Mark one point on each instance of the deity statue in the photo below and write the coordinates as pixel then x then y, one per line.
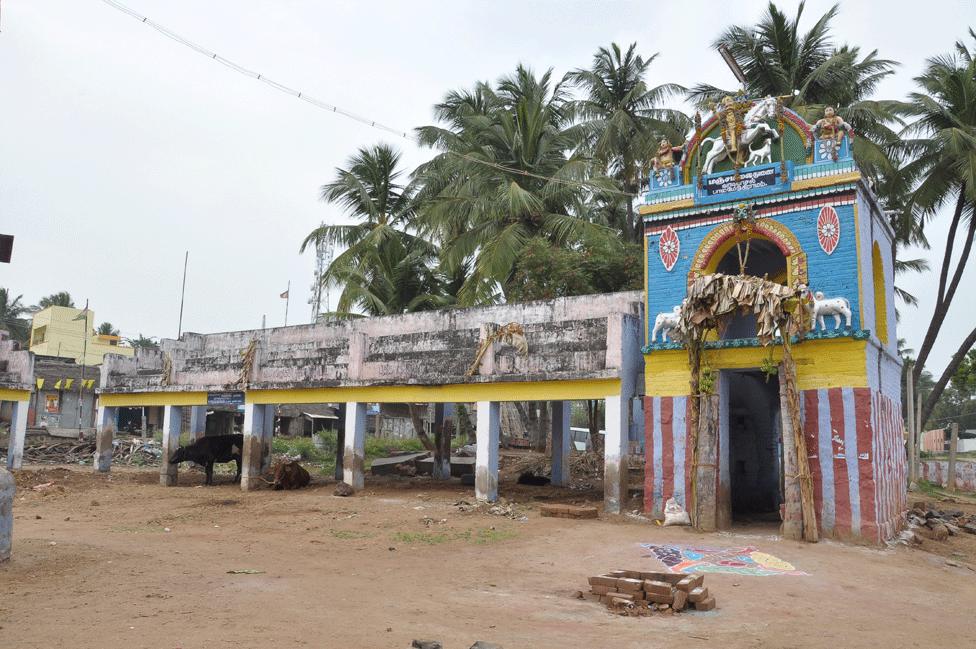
pixel 731 114
pixel 664 158
pixel 830 131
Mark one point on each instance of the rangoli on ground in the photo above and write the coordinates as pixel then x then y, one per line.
pixel 739 561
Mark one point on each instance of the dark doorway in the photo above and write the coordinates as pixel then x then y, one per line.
pixel 755 446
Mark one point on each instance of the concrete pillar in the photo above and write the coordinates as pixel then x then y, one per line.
pixel 198 422
pixel 615 447
pixel 340 441
pixel 7 488
pixel 486 457
pixel 562 443
pixel 172 427
pixel 442 469
pixel 267 437
pixel 354 456
pixel 105 421
pixel 18 431
pixel 251 459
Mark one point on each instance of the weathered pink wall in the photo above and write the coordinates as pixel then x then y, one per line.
pixel 937 471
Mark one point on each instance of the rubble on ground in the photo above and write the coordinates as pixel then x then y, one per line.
pixel 344 489
pixel 436 644
pixel 500 508
pixel 629 592
pixel 136 451
pixel 939 524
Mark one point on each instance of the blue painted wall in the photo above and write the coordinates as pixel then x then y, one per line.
pixel 835 274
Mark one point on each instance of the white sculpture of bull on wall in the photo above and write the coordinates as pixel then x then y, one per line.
pixel 835 306
pixel 665 323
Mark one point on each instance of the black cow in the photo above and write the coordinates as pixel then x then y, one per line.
pixel 208 450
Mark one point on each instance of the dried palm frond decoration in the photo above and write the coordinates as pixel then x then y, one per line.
pixel 512 334
pixel 782 314
pixel 247 364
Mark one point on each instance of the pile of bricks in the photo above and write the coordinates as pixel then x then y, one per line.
pixel 631 592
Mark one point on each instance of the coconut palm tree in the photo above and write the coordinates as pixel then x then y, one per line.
pixel 62 298
pixel 503 177
pixel 12 311
pixel 623 120
pixel 940 146
pixel 778 58
pixel 106 329
pixel 391 279
pixel 371 194
pixel 142 342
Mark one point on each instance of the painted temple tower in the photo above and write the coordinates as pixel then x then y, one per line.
pixel 816 223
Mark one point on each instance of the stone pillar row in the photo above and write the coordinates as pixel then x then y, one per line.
pixel 350 463
pixel 18 431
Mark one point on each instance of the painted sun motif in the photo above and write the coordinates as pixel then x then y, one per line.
pixel 828 229
pixel 669 246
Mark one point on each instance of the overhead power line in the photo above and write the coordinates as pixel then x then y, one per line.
pixel 318 103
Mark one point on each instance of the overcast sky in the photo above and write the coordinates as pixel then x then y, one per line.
pixel 120 149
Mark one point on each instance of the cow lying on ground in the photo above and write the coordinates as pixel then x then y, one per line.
pixel 208 450
pixel 289 474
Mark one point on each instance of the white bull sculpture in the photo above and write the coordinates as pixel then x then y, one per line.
pixel 835 306
pixel 665 323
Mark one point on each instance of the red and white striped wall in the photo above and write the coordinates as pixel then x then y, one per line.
pixel 855 449
pixel 667 458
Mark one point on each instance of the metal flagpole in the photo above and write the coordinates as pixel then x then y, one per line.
pixel 287 300
pixel 84 361
pixel 179 331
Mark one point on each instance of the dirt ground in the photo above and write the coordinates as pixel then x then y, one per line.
pixel 116 561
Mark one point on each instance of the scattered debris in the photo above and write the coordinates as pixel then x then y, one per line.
pixel 937 524
pixel 500 508
pixel 435 644
pixel 629 592
pixel 426 644
pixel 137 451
pixel 568 511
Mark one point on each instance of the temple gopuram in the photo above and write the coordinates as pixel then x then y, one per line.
pixel 757 207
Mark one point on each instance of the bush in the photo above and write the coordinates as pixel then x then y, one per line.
pixel 382 447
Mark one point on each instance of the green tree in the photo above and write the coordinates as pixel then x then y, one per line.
pixel 106 329
pixel 369 191
pixel 62 298
pixel 388 280
pixel 606 265
pixel 940 149
pixel 778 58
pixel 12 311
pixel 509 170
pixel 142 342
pixel 622 120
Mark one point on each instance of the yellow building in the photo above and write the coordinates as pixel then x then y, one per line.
pixel 61 331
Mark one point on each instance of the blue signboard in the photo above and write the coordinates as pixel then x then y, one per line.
pixel 752 181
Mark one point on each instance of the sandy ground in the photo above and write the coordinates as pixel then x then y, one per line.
pixel 94 566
